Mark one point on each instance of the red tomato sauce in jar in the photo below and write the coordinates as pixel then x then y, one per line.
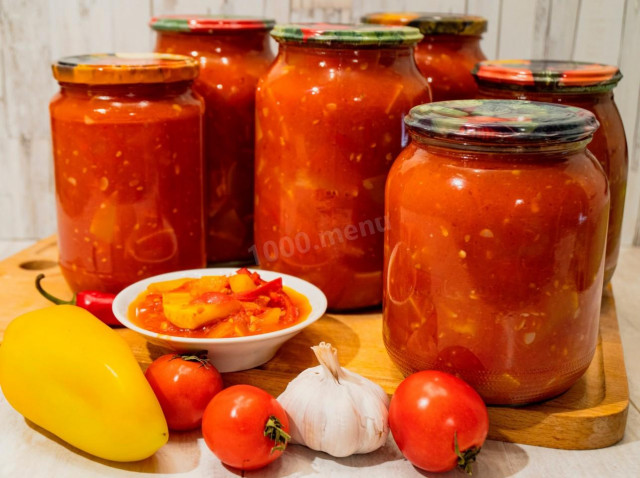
pixel 329 124
pixel 585 85
pixel 219 306
pixel 494 255
pixel 233 53
pixel 127 147
pixel 448 52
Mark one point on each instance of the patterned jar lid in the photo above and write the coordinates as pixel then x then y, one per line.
pixel 334 34
pixel 125 68
pixel 547 75
pixel 501 121
pixel 432 23
pixel 209 23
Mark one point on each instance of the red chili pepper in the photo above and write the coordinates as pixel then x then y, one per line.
pixel 98 303
pixel 265 289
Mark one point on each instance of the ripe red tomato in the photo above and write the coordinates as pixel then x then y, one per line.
pixel 184 386
pixel 438 421
pixel 245 427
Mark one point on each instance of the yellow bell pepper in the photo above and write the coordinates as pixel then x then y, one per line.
pixel 69 373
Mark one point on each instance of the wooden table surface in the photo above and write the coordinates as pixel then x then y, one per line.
pixel 25 451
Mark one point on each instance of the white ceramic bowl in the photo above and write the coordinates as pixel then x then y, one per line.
pixel 226 354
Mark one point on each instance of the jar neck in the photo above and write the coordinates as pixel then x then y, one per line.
pixel 572 96
pixel 514 152
pixel 452 42
pixel 151 90
pixel 339 56
pixel 242 42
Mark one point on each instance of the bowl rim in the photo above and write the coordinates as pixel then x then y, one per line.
pixel 137 288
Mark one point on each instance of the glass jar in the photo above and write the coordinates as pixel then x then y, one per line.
pixel 127 149
pixel 233 53
pixel 329 125
pixel 494 254
pixel 585 85
pixel 449 51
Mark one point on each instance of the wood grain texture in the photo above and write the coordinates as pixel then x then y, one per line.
pixel 167 7
pixel 26 182
pixel 491 10
pixel 598 36
pixel 561 30
pixel 517 22
pixel 330 11
pixel 37 32
pixel 592 414
pixel 131 32
pixel 440 6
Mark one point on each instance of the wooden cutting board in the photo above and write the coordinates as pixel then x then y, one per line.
pixel 592 414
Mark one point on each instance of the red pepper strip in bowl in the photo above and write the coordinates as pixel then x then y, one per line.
pixel 265 289
pixel 278 297
pixel 98 303
pixel 282 300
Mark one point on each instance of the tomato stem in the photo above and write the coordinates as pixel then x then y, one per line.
pixel 274 431
pixel 200 357
pixel 467 457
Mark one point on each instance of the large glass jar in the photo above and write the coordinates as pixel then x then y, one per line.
pixel 329 125
pixel 233 53
pixel 494 254
pixel 449 51
pixel 127 149
pixel 585 85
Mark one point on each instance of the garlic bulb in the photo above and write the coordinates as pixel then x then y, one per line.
pixel 334 410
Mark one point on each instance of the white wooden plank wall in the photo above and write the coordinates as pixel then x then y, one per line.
pixel 35 32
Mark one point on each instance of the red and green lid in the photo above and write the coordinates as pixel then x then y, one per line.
pixel 463 122
pixel 432 23
pixel 125 68
pixel 335 34
pixel 547 75
pixel 209 23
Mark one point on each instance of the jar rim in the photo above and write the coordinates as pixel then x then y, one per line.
pixel 339 34
pixel 501 122
pixel 209 24
pixel 547 75
pixel 432 23
pixel 125 68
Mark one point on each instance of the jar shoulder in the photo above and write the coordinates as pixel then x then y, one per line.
pixel 418 165
pixel 359 83
pixel 114 106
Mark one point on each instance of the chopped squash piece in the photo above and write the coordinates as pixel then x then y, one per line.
pixel 179 310
pixel 223 329
pixel 168 285
pixel 270 317
pixel 208 284
pixel 241 283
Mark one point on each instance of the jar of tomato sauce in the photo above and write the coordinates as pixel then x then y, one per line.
pixel 585 85
pixel 233 53
pixel 449 51
pixel 127 149
pixel 494 254
pixel 329 124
